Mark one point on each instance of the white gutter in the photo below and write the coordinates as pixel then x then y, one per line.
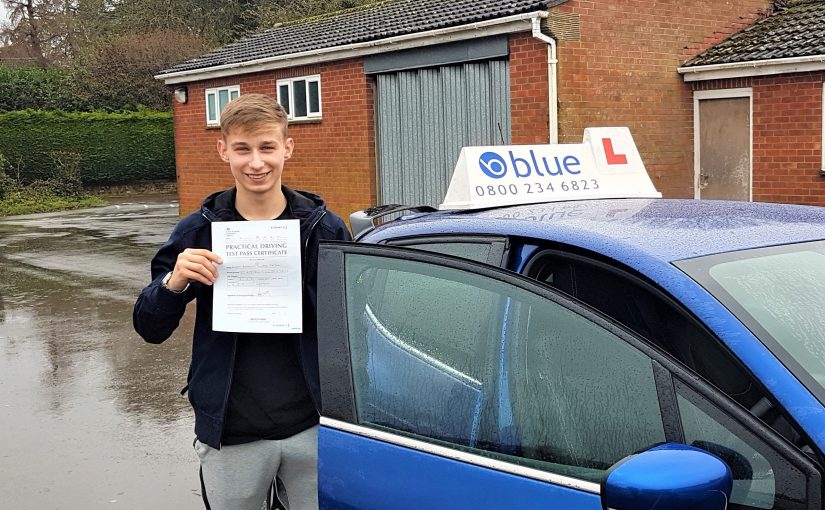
pixel 754 68
pixel 509 24
pixel 552 85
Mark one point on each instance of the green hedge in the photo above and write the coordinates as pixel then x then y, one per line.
pixel 79 90
pixel 112 148
pixel 42 89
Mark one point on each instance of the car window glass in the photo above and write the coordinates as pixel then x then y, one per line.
pixel 753 483
pixel 642 311
pixel 417 342
pixel 581 396
pixel 460 358
pixel 480 252
pixel 421 310
pixel 784 293
pixel 762 477
pixel 649 316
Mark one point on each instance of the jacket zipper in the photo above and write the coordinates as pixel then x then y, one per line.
pixel 303 286
pixel 306 247
pixel 231 368
pixel 228 388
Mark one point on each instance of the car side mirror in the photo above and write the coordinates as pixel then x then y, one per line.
pixel 673 476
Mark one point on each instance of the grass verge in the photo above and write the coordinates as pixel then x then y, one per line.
pixel 29 202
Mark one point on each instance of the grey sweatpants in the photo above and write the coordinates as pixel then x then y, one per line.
pixel 238 477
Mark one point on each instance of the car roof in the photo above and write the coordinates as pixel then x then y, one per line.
pixel 664 229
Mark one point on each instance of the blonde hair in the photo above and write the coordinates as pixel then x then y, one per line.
pixel 252 112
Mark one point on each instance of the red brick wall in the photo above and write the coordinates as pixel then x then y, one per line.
pixel 528 90
pixel 334 158
pixel 787 136
pixel 621 71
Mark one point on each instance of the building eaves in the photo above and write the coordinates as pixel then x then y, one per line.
pixel 793 32
pixel 372 23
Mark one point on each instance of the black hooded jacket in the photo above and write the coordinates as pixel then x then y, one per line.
pixel 158 311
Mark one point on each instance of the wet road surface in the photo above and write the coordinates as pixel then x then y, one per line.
pixel 90 415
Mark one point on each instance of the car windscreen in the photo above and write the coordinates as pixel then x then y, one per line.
pixel 779 294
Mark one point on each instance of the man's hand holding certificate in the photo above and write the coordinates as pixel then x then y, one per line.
pixel 258 289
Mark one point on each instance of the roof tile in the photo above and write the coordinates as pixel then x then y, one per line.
pixel 372 23
pixel 796 31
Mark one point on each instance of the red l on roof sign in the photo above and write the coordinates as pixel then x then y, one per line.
pixel 612 157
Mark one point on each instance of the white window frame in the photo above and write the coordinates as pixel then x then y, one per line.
pixel 314 78
pixel 216 122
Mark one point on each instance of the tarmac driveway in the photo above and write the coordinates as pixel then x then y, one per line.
pixel 90 415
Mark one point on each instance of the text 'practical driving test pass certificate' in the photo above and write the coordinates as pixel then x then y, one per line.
pixel 258 289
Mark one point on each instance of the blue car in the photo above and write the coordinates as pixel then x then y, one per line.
pixel 582 353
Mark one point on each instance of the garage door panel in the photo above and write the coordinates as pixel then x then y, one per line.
pixel 425 116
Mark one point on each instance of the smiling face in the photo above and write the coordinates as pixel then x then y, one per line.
pixel 256 160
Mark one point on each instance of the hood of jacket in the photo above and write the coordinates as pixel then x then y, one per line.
pixel 220 206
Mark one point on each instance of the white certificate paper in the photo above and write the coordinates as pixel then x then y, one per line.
pixel 258 289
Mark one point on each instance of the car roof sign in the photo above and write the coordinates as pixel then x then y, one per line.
pixel 606 165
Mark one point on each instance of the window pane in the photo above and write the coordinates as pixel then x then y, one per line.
pixel 479 252
pixel 784 294
pixel 300 95
pixel 621 297
pixel 491 368
pixel 753 484
pixel 210 107
pixel 777 293
pixel 314 97
pixel 582 397
pixel 415 315
pixel 283 96
pixel 223 98
pixel 416 369
pixel 762 477
pixel 233 94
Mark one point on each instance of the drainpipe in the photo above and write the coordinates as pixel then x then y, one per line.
pixel 552 87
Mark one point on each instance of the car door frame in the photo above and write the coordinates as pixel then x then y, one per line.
pixel 339 409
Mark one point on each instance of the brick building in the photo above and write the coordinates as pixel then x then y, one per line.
pixel 758 100
pixel 382 98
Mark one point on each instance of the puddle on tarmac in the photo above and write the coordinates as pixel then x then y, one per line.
pixel 91 414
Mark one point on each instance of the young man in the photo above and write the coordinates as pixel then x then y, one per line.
pixel 255 396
